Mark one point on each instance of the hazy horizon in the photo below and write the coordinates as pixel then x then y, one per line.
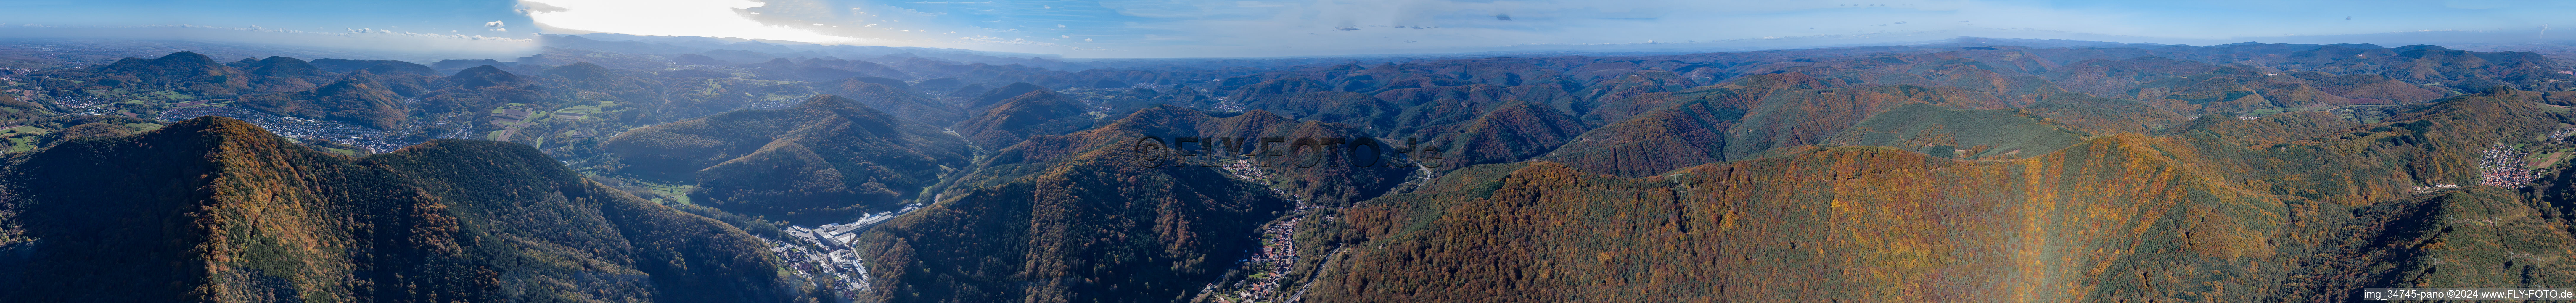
pixel 1255 29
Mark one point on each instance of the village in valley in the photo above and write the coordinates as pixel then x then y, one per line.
pixel 829 253
pixel 1259 276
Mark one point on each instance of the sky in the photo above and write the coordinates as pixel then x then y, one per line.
pixel 1260 28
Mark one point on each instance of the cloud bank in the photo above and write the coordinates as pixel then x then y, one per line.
pixel 348 43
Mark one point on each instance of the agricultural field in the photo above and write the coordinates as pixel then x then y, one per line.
pixel 20 138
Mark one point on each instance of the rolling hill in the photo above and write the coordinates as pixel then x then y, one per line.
pixel 827 160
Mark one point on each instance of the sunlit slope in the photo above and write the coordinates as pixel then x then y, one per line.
pixel 1868 223
pixel 2481 237
pixel 1964 134
pixel 1510 133
pixel 2221 210
pixel 1768 115
pixel 217 210
pixel 2316 155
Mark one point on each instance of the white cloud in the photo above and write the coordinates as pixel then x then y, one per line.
pixel 718 18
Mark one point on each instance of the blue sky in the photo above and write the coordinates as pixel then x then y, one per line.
pixel 1232 28
pixel 463 16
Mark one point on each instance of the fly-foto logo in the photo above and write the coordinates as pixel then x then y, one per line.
pixel 1301 152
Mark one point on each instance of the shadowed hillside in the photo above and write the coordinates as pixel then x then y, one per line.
pixel 898 101
pixel 1016 118
pixel 228 213
pixel 1094 227
pixel 826 160
pixel 1055 209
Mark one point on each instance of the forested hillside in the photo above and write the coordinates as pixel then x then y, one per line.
pixel 214 209
pixel 2192 216
pixel 825 160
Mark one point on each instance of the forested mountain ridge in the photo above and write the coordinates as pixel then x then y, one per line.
pixel 1046 214
pixel 824 160
pixel 2195 214
pixel 213 209
pixel 1037 112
